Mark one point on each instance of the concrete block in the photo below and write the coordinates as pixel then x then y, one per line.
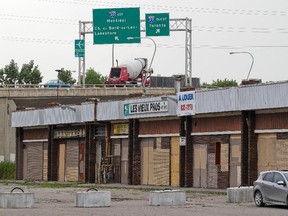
pixel 16 200
pixel 240 194
pixel 167 197
pixel 93 199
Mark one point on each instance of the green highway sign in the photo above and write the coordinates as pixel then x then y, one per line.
pixel 116 25
pixel 79 47
pixel 157 24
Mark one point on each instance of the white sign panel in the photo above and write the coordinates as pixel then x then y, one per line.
pixel 186 103
pixel 182 141
pixel 146 107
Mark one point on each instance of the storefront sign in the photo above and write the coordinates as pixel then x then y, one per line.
pixel 146 107
pixel 186 103
pixel 120 129
pixel 69 133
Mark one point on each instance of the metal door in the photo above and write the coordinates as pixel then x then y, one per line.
pixel 34 161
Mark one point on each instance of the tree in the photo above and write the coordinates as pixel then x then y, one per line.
pixel 93 77
pixel 220 83
pixel 66 76
pixel 30 74
pixel 9 74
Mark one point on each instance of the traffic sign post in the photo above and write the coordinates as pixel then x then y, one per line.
pixel 79 47
pixel 116 25
pixel 157 24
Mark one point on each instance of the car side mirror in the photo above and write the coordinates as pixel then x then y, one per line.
pixel 281 183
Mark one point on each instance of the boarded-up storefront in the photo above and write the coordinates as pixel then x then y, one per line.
pixel 71 152
pixel 120 149
pixel 175 163
pixel 35 157
pixel 155 161
pixel 272 151
pixel 235 160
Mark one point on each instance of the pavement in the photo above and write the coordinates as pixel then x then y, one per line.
pixel 54 198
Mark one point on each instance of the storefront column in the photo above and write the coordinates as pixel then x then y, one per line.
pixel 253 150
pixel 134 153
pixel 182 161
pixel 19 153
pixel 186 153
pixel 189 153
pixel 52 156
pixel 249 154
pixel 90 153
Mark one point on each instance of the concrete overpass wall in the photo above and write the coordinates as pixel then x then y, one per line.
pixel 7 133
pixel 81 92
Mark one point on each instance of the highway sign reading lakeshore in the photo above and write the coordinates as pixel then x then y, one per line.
pixel 157 24
pixel 79 47
pixel 116 25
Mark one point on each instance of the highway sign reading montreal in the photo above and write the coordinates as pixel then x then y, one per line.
pixel 116 25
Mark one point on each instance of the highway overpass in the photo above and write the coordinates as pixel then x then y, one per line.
pixel 25 96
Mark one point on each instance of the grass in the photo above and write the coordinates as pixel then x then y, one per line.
pixel 7 170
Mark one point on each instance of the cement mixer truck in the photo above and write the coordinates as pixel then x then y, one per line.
pixel 132 72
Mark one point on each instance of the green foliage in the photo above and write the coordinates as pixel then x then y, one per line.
pixel 220 83
pixel 29 74
pixel 7 170
pixel 9 74
pixel 93 77
pixel 66 76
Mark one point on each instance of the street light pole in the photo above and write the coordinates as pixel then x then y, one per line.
pixel 58 83
pixel 149 68
pixel 251 62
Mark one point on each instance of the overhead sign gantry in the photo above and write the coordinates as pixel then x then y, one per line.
pixel 104 35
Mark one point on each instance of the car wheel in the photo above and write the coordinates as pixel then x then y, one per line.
pixel 258 199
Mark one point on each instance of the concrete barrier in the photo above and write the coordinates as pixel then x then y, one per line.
pixel 93 198
pixel 16 200
pixel 240 194
pixel 167 197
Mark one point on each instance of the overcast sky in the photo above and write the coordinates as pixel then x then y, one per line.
pixel 45 30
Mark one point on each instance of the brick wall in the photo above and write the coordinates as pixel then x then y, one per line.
pixel 212 171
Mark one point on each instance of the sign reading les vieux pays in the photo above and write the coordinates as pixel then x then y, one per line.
pixel 145 107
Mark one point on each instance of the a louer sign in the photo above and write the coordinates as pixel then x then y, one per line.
pixel 186 103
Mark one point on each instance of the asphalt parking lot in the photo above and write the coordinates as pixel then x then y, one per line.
pixel 131 201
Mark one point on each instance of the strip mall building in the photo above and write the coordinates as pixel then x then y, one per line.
pixel 234 134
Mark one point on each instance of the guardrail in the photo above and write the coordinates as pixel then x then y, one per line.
pixel 39 86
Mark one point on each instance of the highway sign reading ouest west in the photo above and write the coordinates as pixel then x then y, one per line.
pixel 116 25
pixel 157 24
